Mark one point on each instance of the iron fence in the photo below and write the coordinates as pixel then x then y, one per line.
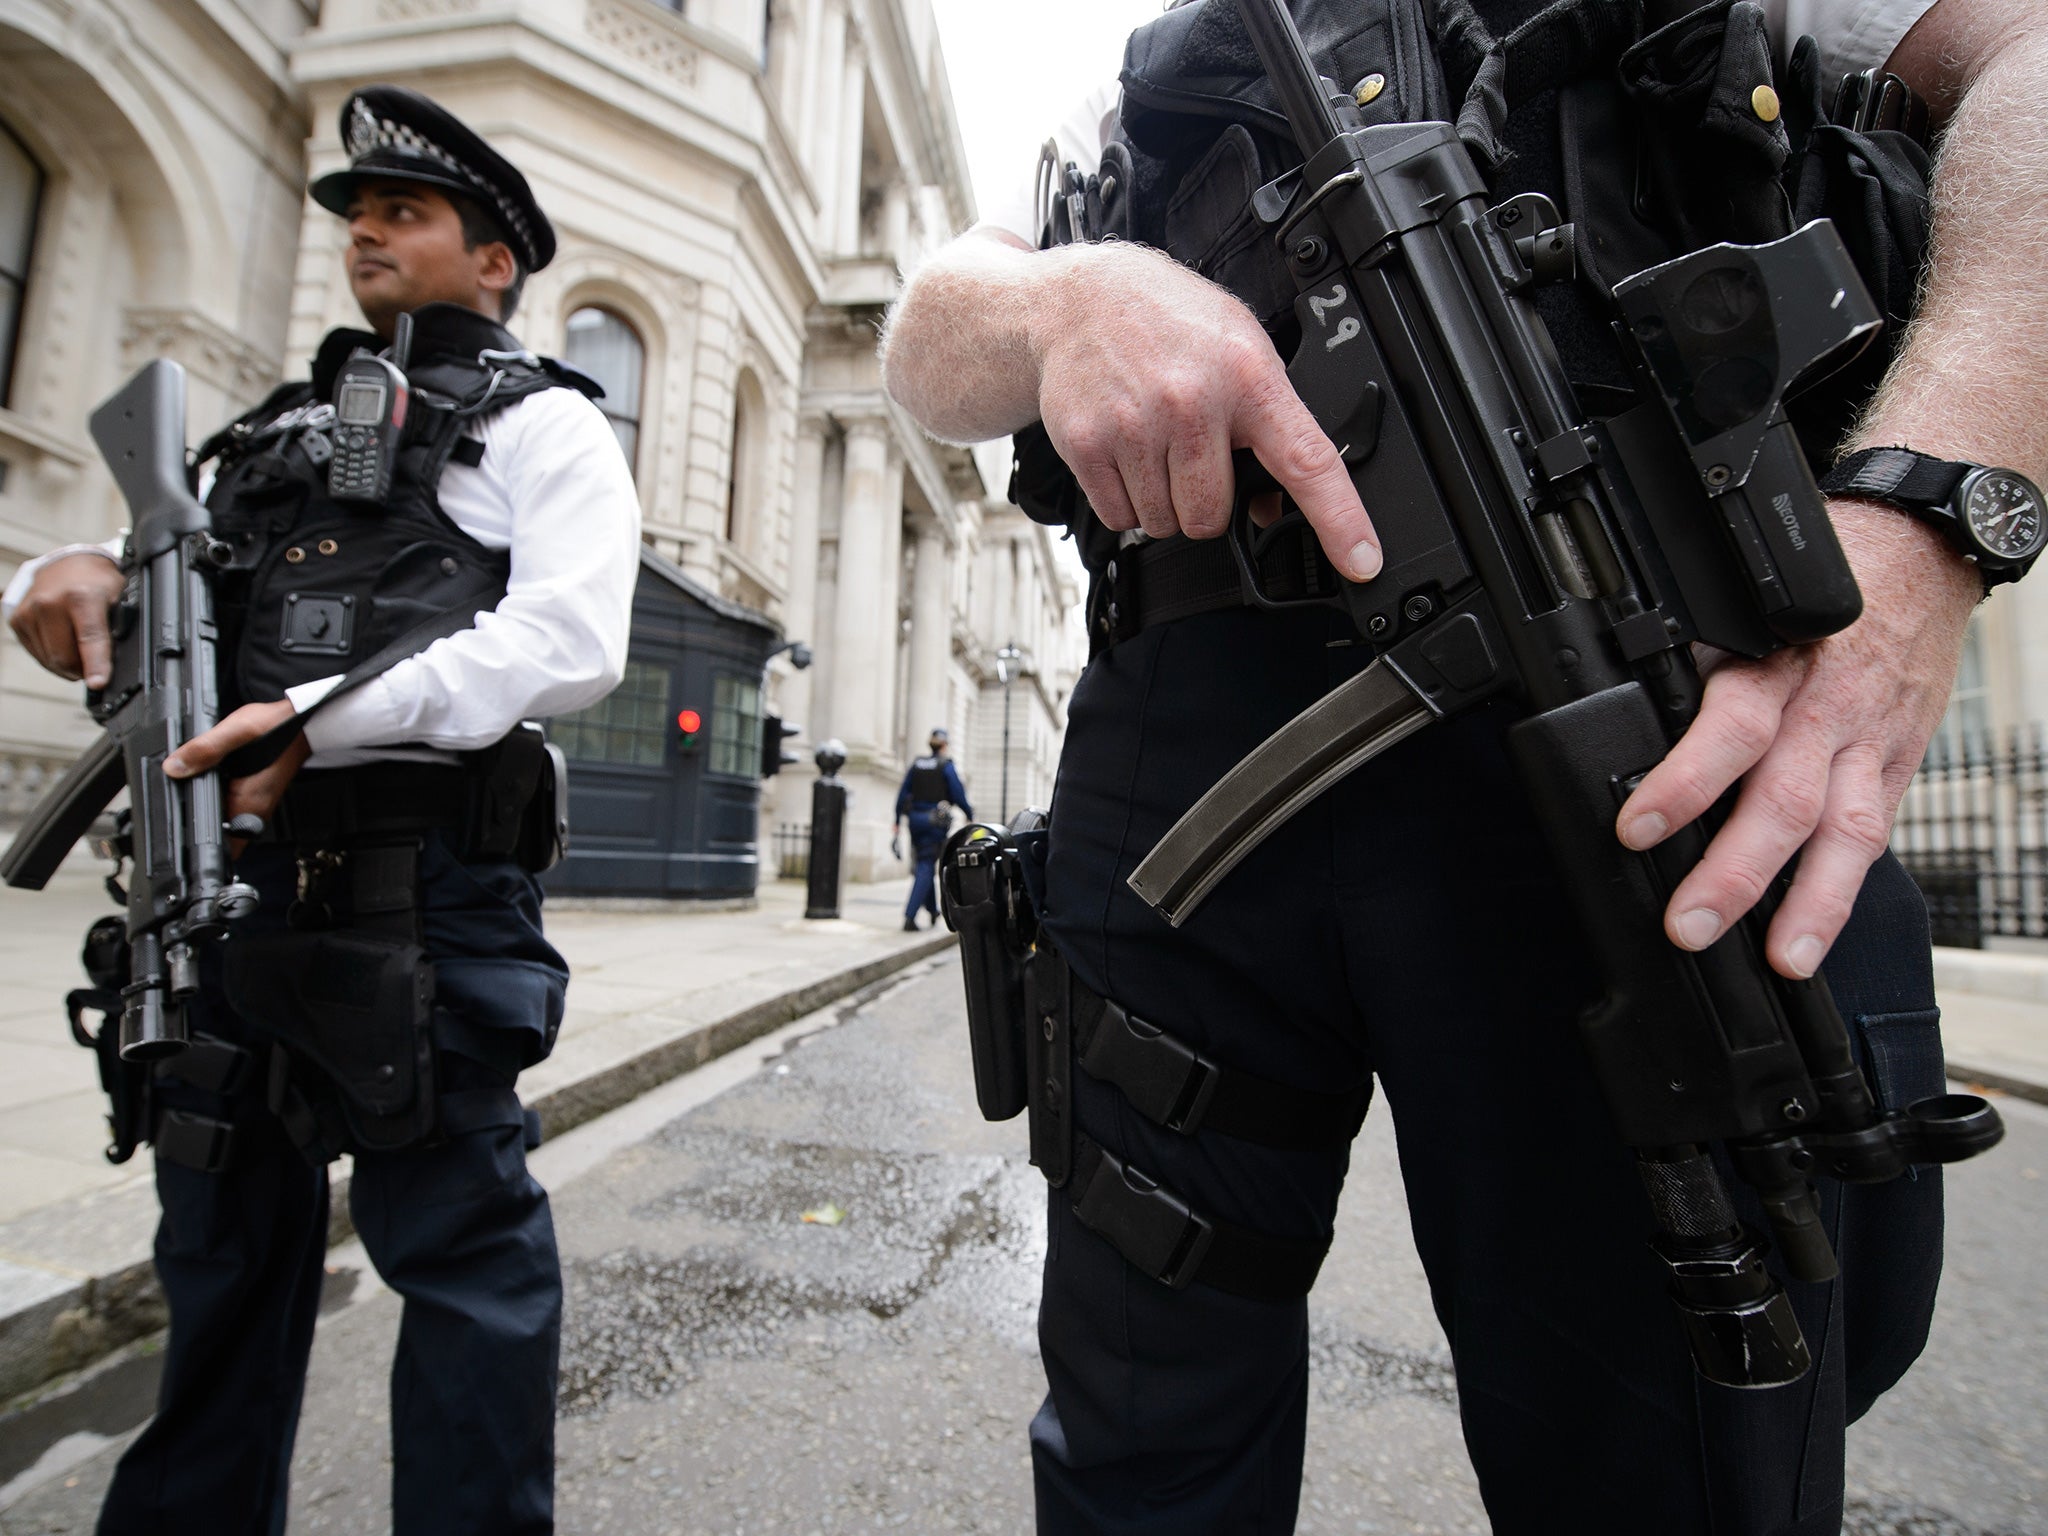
pixel 1973 832
pixel 793 850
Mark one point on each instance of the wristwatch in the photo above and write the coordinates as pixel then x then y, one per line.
pixel 1997 518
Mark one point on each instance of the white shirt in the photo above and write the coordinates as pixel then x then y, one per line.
pixel 554 489
pixel 1852 34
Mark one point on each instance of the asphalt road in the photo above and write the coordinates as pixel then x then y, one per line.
pixel 730 1368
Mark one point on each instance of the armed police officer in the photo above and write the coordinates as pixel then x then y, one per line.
pixel 1408 925
pixel 931 785
pixel 409 614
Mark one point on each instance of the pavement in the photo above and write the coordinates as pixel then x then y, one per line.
pixel 657 990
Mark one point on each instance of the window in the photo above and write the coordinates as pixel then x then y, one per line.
pixel 611 352
pixel 21 191
pixel 629 726
pixel 736 728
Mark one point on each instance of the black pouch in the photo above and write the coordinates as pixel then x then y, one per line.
pixel 353 1012
pixel 521 808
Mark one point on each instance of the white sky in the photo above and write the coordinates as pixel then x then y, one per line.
pixel 1019 67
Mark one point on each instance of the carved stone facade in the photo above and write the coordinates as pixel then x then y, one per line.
pixel 167 161
pixel 738 184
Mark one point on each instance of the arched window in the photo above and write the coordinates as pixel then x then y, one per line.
pixel 743 493
pixel 611 352
pixel 21 191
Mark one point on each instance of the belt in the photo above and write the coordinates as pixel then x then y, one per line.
pixel 374 799
pixel 1160 580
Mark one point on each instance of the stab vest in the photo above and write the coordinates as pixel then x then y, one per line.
pixel 315 584
pixel 1637 118
pixel 928 784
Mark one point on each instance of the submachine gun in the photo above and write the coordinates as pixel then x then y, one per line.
pixel 162 692
pixel 1568 563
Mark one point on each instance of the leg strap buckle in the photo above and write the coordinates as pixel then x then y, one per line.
pixel 1149 1225
pixel 1166 1080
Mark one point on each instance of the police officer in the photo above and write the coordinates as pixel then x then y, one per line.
pixel 1406 926
pixel 932 784
pixel 395 869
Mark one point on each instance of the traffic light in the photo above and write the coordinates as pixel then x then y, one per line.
pixel 774 756
pixel 691 724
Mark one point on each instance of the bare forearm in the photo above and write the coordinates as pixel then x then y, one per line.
pixel 1971 380
pixel 964 350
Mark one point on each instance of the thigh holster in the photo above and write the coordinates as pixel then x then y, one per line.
pixel 350 1007
pixel 1184 1091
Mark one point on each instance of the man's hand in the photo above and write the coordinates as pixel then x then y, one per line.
pixel 62 620
pixel 258 793
pixel 1146 376
pixel 1825 739
pixel 1151 376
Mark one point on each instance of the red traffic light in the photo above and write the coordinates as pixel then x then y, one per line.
pixel 690 721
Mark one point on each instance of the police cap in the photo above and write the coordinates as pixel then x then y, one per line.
pixel 394 134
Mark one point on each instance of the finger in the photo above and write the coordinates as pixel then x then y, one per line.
pixel 1277 427
pixel 1780 807
pixel 1854 831
pixel 49 639
pixel 88 613
pixel 1150 489
pixel 206 750
pixel 1201 483
pixel 1740 716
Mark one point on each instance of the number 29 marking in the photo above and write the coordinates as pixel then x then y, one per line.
pixel 1348 329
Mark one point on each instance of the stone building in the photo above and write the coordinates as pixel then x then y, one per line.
pixel 737 187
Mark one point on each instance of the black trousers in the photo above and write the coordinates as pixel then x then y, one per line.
pixel 1408 925
pixel 458 1228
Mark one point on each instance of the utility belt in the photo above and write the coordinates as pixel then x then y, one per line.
pixel 507 801
pixel 346 992
pixel 1160 580
pixel 1031 1022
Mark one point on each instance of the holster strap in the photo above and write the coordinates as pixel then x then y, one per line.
pixel 194 1141
pixel 1173 1085
pixel 336 805
pixel 1162 1236
pixel 211 1065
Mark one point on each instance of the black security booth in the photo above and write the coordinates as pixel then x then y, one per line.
pixel 665 773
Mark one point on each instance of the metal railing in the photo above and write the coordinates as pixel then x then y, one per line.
pixel 793 850
pixel 1973 833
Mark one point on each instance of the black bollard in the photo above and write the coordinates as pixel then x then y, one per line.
pixel 828 832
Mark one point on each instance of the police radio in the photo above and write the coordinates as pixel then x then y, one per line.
pixel 370 399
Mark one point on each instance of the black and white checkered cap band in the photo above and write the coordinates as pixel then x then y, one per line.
pixel 368 133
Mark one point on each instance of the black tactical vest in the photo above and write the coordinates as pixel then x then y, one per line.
pixel 928 784
pixel 318 585
pixel 1639 119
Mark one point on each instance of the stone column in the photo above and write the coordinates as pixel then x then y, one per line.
pixel 803 567
pixel 820 144
pixel 853 102
pixel 799 104
pixel 860 666
pixel 931 640
pixel 889 602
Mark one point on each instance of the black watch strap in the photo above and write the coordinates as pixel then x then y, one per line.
pixel 1897 475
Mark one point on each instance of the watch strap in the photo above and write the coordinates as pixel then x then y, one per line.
pixel 1897 475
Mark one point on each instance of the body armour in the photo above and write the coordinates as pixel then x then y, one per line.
pixel 1654 126
pixel 928 784
pixel 317 585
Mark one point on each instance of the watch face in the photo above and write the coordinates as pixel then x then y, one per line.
pixel 2005 515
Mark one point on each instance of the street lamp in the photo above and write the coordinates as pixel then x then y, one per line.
pixel 1006 673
